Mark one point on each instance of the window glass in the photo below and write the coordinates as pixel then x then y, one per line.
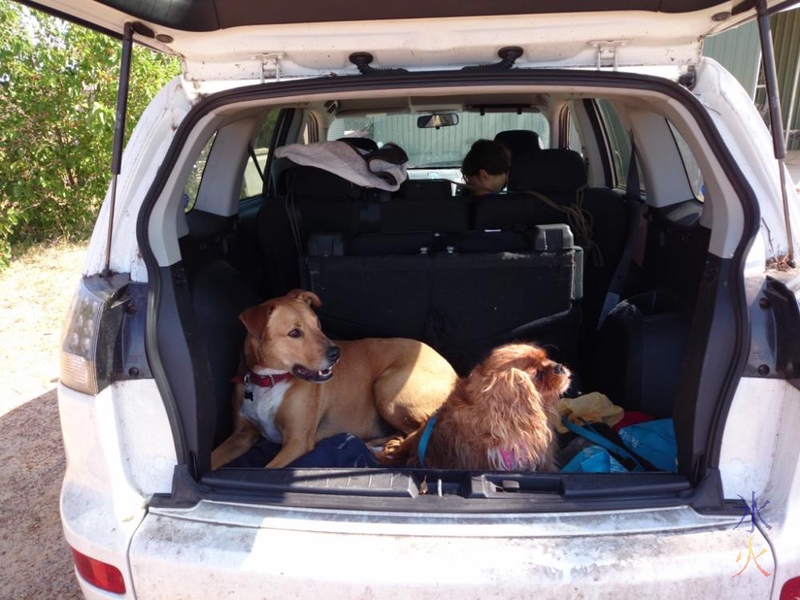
pixel 619 142
pixel 252 183
pixel 693 173
pixel 437 148
pixel 573 135
pixel 195 178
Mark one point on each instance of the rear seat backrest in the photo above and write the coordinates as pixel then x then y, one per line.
pixel 552 170
pixel 462 304
pixel 554 173
pixel 312 201
pixel 519 142
pixel 399 215
pixel 425 189
pixel 559 175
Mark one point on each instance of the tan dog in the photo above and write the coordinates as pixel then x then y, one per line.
pixel 290 393
pixel 495 419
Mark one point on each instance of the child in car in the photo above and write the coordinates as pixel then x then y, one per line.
pixel 486 167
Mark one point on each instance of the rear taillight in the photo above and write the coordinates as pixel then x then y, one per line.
pixel 99 574
pixel 90 333
pixel 791 590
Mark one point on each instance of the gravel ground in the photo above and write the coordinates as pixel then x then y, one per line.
pixel 35 292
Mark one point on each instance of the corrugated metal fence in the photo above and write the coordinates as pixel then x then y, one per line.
pixel 739 51
pixel 786 37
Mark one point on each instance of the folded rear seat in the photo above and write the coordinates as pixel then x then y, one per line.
pixel 461 304
pixel 309 201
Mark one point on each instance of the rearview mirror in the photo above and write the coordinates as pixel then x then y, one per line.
pixel 438 120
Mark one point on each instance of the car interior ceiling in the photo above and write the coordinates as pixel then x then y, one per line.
pixel 401 265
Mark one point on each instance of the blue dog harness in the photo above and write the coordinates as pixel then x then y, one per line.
pixel 424 439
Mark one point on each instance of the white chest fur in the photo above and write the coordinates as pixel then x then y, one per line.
pixel 262 408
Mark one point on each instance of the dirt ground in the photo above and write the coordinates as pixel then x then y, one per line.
pixel 35 292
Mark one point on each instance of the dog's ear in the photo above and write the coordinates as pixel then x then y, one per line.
pixel 309 298
pixel 255 319
pixel 509 383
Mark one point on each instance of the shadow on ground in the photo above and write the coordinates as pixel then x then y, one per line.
pixel 35 558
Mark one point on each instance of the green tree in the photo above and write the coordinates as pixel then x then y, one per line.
pixel 58 86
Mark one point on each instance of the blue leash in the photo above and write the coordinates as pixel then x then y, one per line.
pixel 588 432
pixel 424 439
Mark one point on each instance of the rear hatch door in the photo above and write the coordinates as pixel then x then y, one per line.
pixel 239 40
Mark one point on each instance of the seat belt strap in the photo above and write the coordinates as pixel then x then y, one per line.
pixel 636 206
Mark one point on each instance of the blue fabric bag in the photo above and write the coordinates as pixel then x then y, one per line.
pixel 593 459
pixel 649 446
pixel 653 441
pixel 603 445
pixel 340 450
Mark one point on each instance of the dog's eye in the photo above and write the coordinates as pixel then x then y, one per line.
pixel 295 333
pixel 538 375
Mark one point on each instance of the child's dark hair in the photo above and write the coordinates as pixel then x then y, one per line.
pixel 493 157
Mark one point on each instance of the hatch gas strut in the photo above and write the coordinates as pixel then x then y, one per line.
pixel 775 117
pixel 119 135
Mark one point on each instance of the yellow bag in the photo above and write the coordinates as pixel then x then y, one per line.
pixel 592 408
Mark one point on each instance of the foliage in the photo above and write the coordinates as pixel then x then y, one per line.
pixel 58 86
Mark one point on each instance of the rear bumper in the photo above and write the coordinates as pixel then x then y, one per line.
pixel 219 550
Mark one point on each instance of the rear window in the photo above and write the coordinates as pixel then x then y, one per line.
pixel 436 148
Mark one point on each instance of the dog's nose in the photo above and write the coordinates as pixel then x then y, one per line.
pixel 333 353
pixel 558 369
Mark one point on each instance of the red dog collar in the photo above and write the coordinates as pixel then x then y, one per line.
pixel 264 381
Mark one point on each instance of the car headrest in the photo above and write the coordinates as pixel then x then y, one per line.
pixel 360 142
pixel 553 170
pixel 519 141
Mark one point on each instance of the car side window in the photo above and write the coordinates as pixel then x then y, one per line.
pixel 619 145
pixel 253 180
pixel 618 140
pixel 195 178
pixel 574 141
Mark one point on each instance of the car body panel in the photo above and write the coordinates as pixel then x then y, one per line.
pixel 112 468
pixel 154 131
pixel 750 143
pixel 759 471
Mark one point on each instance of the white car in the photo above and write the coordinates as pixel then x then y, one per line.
pixel 659 270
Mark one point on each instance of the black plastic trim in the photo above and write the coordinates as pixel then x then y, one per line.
pixel 133 353
pixel 783 304
pixel 463 491
pixel 600 134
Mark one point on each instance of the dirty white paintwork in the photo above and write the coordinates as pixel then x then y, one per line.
pixel 119 452
pixel 280 553
pixel 142 156
pixel 751 436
